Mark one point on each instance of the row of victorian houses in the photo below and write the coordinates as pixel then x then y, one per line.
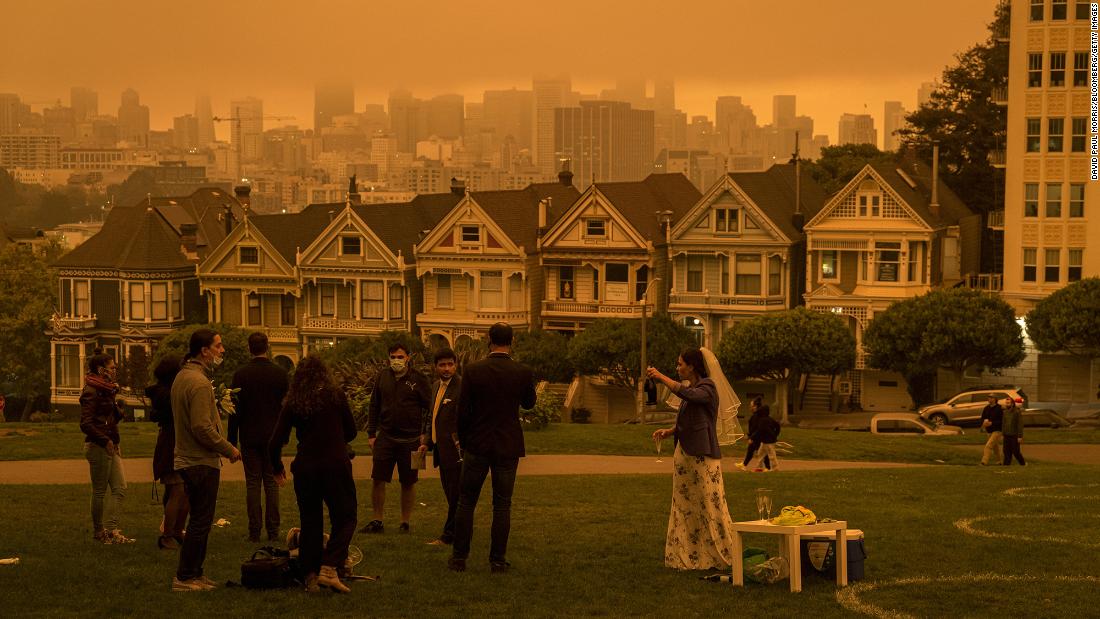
pixel 447 266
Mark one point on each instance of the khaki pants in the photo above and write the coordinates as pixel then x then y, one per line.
pixel 993 449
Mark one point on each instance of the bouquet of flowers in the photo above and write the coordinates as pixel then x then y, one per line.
pixel 226 399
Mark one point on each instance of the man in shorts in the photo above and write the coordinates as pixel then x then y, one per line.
pixel 398 424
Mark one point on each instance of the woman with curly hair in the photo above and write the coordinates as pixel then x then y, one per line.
pixel 99 417
pixel 318 410
pixel 175 498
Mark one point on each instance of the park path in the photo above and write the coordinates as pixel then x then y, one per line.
pixel 140 469
pixel 1069 454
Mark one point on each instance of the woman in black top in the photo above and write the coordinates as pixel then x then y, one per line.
pixel 175 498
pixel 317 409
pixel 99 417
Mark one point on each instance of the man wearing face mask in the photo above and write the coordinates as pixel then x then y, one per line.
pixel 398 424
pixel 200 446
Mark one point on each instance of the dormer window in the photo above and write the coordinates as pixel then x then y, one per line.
pixel 351 246
pixel 595 227
pixel 725 220
pixel 248 255
pixel 471 234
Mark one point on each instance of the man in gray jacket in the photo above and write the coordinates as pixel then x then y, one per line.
pixel 200 446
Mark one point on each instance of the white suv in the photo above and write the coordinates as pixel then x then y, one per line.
pixel 965 408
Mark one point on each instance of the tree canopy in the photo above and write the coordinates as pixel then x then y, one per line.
pixel 839 164
pixel 235 340
pixel 1068 320
pixel 964 118
pixel 612 347
pixel 28 297
pixel 953 329
pixel 545 352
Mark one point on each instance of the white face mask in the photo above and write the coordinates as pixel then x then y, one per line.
pixel 217 361
pixel 397 365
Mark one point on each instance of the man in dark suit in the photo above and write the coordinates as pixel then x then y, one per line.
pixel 445 391
pixel 262 387
pixel 491 439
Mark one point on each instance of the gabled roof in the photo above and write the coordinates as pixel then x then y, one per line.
pixel 146 237
pixel 639 201
pixel 290 232
pixel 517 211
pixel 952 208
pixel 399 226
pixel 773 190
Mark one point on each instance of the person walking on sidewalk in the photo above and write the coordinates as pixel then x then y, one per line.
pixel 175 499
pixel 765 435
pixel 992 418
pixel 262 386
pixel 1012 426
pixel 491 438
pixel 318 411
pixel 200 446
pixel 754 425
pixel 397 425
pixel 99 417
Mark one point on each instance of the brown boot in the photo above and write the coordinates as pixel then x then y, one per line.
pixel 311 583
pixel 328 578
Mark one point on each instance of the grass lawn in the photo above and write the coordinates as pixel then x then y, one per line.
pixel 592 546
pixel 37 441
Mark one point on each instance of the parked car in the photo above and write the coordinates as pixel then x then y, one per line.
pixel 1045 418
pixel 965 408
pixel 909 424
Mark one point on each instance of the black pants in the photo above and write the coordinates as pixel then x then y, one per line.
pixel 1012 448
pixel 201 483
pixel 474 470
pixel 333 487
pixel 451 478
pixel 259 474
pixel 752 452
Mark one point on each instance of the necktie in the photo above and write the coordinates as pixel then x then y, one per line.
pixel 435 407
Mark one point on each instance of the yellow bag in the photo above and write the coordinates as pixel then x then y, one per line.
pixel 794 515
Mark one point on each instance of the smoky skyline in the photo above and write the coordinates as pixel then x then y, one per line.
pixel 836 56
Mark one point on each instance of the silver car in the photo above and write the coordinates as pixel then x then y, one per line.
pixel 965 408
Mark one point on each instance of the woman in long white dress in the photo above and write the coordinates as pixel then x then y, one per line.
pixel 699 525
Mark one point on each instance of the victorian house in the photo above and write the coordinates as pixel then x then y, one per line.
pixel 739 253
pixel 602 255
pixel 133 282
pixel 479 263
pixel 889 234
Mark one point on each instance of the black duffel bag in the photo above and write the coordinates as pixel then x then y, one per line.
pixel 269 568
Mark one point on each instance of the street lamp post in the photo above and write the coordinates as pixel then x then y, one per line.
pixel 639 396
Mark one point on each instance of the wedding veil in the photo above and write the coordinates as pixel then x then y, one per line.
pixel 729 429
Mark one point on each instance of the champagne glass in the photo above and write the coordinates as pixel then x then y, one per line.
pixel 659 441
pixel 764 503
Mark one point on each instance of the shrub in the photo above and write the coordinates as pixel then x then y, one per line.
pixel 547 409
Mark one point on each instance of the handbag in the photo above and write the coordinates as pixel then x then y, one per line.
pixel 268 568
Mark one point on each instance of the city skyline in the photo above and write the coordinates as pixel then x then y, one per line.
pixel 493 54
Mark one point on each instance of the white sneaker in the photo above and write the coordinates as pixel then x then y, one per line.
pixel 194 584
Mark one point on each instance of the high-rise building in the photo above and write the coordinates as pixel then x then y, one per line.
pixel 185 132
pixel 604 141
pixel 30 151
pixel 60 121
pixel 85 103
pixel 924 93
pixel 133 119
pixel 857 129
pixel 736 123
pixel 408 120
pixel 375 119
pixel 664 95
pixel 204 116
pixel 893 120
pixel 632 90
pixel 549 94
pixel 331 99
pixel 445 115
pixel 783 111
pixel 509 113
pixel 246 121
pixel 12 111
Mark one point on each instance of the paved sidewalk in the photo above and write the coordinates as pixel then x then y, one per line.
pixel 1070 454
pixel 140 469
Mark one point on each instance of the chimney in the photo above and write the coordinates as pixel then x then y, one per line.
pixel 189 238
pixel 544 204
pixel 353 190
pixel 242 192
pixel 934 205
pixel 458 187
pixel 565 177
pixel 331 214
pixel 228 219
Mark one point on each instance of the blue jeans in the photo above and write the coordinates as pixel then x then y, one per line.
pixel 474 470
pixel 106 472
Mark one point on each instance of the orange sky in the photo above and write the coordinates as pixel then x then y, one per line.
pixel 836 55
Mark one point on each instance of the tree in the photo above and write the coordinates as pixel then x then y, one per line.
pixel 1068 320
pixel 28 296
pixel 234 339
pixel 839 164
pixel 966 121
pixel 784 346
pixel 545 352
pixel 612 348
pixel 953 329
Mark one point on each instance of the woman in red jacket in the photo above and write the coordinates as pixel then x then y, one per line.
pixel 99 416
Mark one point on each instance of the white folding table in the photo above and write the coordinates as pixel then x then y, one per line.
pixel 791 536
